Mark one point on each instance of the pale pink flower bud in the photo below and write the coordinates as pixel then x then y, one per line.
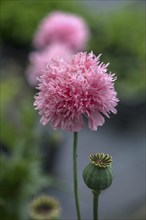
pixel 38 59
pixel 63 28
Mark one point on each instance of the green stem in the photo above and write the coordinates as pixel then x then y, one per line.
pixel 95 204
pixel 75 174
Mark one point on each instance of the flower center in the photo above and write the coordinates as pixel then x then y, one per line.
pixel 44 208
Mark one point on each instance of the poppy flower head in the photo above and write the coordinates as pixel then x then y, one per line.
pixel 75 87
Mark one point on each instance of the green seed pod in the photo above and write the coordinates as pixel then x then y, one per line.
pixel 98 174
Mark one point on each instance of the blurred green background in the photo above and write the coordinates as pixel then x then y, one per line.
pixel 117 33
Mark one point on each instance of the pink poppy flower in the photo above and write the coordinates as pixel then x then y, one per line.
pixel 64 28
pixel 76 87
pixel 38 60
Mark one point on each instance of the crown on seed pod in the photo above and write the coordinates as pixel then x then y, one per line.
pixel 98 174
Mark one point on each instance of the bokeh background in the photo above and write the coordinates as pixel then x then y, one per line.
pixel 36 160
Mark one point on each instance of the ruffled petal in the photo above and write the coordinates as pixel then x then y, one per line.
pixel 95 119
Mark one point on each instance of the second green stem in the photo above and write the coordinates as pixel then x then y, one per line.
pixel 95 204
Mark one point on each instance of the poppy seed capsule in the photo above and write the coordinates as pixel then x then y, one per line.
pixel 98 174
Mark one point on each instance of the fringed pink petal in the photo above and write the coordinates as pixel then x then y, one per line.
pixel 95 120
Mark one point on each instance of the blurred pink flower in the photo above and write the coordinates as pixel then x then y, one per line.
pixel 64 28
pixel 38 60
pixel 75 87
